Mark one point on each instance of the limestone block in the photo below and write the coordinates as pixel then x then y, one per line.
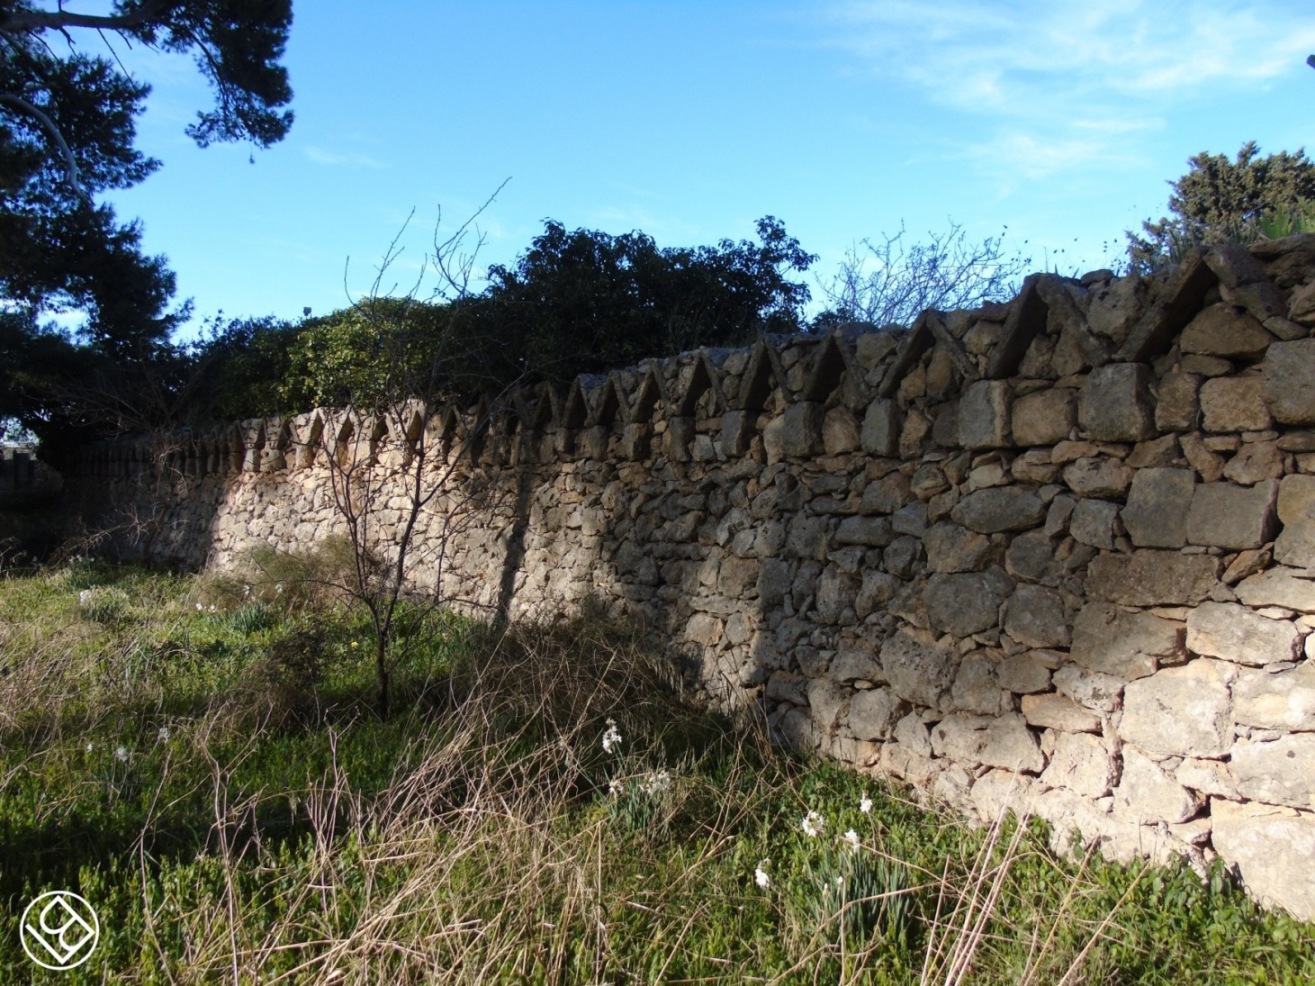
pixel 918 670
pixel 1158 501
pixel 998 791
pixel 1003 741
pixel 913 434
pixel 873 713
pixel 1296 510
pixel 826 699
pixel 1147 794
pixel 951 548
pixel 1206 777
pixel 1301 306
pixel 976 688
pixel 1124 644
pixel 878 588
pixel 801 430
pixel 1098 476
pixel 1002 508
pixel 1093 523
pixel 1277 586
pixel 807 537
pixel 774 581
pixel 910 519
pixel 736 427
pixel 1081 763
pixel 1283 701
pixel 1115 404
pixel 901 556
pixel 871 532
pixel 1223 515
pixel 796 731
pixel 1030 555
pixel 1117 307
pixel 1054 711
pixel 1023 674
pixel 836 591
pixel 1234 404
pixel 1273 848
pixel 1152 578
pixel 840 431
pixel 1179 405
pixel 703 629
pixel 1289 381
pixel 984 415
pixel 786 686
pixel 964 604
pixel 913 734
pixel 1157 453
pixel 1236 633
pixel 1222 330
pixel 1199 457
pixel 1035 616
pixel 1255 461
pixel 886 495
pixel 1277 772
pixel 1044 417
pixel 1182 712
pixel 881 428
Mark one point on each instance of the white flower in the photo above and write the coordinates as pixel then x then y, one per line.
pixel 760 876
pixel 278 588
pixel 212 607
pixel 611 738
pixel 813 824
pixel 90 747
pixel 656 783
pixel 163 734
pixel 84 597
pixel 616 787
pixel 121 754
pixel 865 806
pixel 199 608
pixel 246 590
pixel 852 838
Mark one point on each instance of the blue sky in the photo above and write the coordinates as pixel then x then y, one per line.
pixel 689 120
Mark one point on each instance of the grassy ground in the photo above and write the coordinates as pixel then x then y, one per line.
pixel 200 760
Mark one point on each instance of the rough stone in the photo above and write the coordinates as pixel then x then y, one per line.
pixel 1035 616
pixel 871 532
pixel 826 699
pixel 1091 689
pixel 873 713
pixel 976 688
pixel 1235 633
pixel 1158 501
pixel 951 548
pixel 1179 405
pixel 1278 587
pixel 1098 476
pixel 1115 404
pixel 1222 330
pixel 1044 417
pixel 1093 523
pixel 1201 458
pixel 886 495
pixel 964 604
pixel 1273 848
pixel 1277 772
pixel 1283 701
pixel 1003 741
pixel 1234 404
pixel 1289 381
pixel 1082 764
pixel 1058 712
pixel 1023 674
pixel 881 428
pixel 1296 509
pixel 1255 461
pixel 984 415
pixel 836 591
pixel 1124 644
pixel 1148 795
pixel 1222 515
pixel 1152 578
pixel 1004 508
pixel 919 671
pixel 1180 712
pixel 840 431
pixel 1157 453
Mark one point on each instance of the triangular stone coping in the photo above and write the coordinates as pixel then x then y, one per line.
pixel 834 359
pixel 702 378
pixel 918 341
pixel 575 409
pixel 763 375
pixel 544 409
pixel 610 403
pixel 648 395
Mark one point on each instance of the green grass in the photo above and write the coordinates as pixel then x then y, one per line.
pixel 217 784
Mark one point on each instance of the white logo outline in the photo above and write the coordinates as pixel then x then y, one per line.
pixel 60 949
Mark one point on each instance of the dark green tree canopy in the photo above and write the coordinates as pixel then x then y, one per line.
pixel 1220 200
pixel 67 114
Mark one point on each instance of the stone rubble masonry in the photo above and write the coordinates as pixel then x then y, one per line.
pixel 1056 554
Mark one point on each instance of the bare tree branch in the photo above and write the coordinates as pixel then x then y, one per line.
pixel 58 20
pixel 71 173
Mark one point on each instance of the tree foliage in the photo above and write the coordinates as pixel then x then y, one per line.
pixel 66 135
pixel 892 283
pixel 1219 200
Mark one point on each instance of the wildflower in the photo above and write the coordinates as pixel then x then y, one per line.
pixel 246 590
pixel 90 747
pixel 212 607
pixel 278 588
pixel 163 734
pixel 865 806
pixel 200 608
pixel 84 598
pixel 616 787
pixel 760 876
pixel 813 824
pixel 656 783
pixel 611 738
pixel 121 754
pixel 355 645
pixel 852 838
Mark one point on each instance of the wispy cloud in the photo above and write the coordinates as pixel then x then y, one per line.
pixel 1068 83
pixel 341 159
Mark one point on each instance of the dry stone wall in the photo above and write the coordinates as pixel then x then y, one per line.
pixel 1057 554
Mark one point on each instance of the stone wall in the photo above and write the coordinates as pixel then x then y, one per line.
pixel 1058 552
